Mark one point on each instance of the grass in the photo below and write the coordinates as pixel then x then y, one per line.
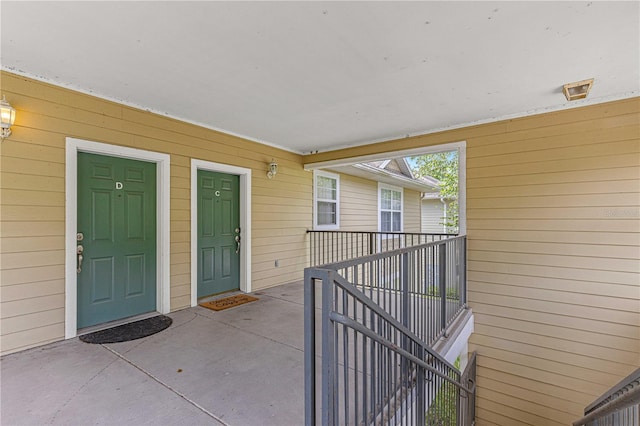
pixel 443 408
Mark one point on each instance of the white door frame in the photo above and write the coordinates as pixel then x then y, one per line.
pixel 73 146
pixel 245 221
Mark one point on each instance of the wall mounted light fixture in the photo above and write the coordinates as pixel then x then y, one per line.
pixel 577 90
pixel 7 118
pixel 273 169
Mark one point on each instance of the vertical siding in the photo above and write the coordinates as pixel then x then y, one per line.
pixel 32 189
pixel 553 208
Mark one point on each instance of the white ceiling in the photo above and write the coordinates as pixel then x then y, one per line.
pixel 310 76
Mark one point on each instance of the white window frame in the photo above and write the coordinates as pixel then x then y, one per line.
pixel 399 189
pixel 336 177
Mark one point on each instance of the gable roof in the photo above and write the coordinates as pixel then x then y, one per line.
pixel 394 171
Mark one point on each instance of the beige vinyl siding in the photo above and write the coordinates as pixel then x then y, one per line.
pixel 358 204
pixel 553 224
pixel 411 210
pixel 432 216
pixel 33 218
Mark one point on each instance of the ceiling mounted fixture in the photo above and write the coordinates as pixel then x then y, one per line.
pixel 577 90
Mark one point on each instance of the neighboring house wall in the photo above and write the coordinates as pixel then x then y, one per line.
pixel 33 200
pixel 411 211
pixel 553 224
pixel 432 216
pixel 359 205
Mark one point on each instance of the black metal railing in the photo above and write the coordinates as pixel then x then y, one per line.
pixel 336 246
pixel 619 406
pixel 380 316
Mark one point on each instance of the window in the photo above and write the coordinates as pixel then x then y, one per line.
pixel 326 212
pixel 390 208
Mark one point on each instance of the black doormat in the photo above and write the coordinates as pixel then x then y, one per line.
pixel 131 331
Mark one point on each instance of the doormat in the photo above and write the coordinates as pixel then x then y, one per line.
pixel 132 331
pixel 228 302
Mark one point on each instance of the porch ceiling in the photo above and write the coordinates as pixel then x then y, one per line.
pixel 310 76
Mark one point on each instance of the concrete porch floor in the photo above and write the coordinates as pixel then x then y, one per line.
pixel 241 366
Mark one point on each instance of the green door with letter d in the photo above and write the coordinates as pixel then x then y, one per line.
pixel 116 238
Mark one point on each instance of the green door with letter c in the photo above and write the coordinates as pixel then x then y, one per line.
pixel 219 240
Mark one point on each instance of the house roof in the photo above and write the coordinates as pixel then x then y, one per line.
pixel 395 171
pixel 308 76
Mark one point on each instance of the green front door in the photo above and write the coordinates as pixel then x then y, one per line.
pixel 218 233
pixel 117 238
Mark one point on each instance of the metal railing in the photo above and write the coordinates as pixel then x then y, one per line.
pixel 337 246
pixel 380 315
pixel 619 406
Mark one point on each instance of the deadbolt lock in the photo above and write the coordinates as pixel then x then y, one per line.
pixel 79 236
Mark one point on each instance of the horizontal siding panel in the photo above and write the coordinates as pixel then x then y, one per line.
pixel 570 322
pixel 566 213
pixel 32 321
pixel 27 182
pixel 554 201
pixel 526 371
pixel 585 225
pixel 32 305
pixel 30 244
pixel 560 331
pixel 32 151
pixel 594 237
pixel 181 302
pixel 559 249
pixel 563 397
pixel 577 262
pixel 9 293
pixel 32 229
pixel 34 337
pixel 628 171
pixel 558 308
pixel 593 354
pixel 611 301
pixel 32 274
pixel 29 259
pixel 515 408
pixel 16 197
pixel 511 144
pixel 605 289
pixel 629 146
pixel 594 275
pixel 605 161
pixel 515 353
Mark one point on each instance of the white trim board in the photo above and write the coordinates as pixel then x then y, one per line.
pixel 73 146
pixel 245 221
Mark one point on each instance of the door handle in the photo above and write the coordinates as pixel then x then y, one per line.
pixel 238 242
pixel 79 251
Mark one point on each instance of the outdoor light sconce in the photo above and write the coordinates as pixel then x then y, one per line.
pixel 577 90
pixel 7 118
pixel 273 169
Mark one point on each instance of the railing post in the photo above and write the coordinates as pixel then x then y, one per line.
pixel 309 349
pixel 371 241
pixel 421 392
pixel 328 352
pixel 463 271
pixel 442 263
pixel 404 306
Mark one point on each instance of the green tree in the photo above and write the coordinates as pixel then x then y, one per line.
pixel 444 167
